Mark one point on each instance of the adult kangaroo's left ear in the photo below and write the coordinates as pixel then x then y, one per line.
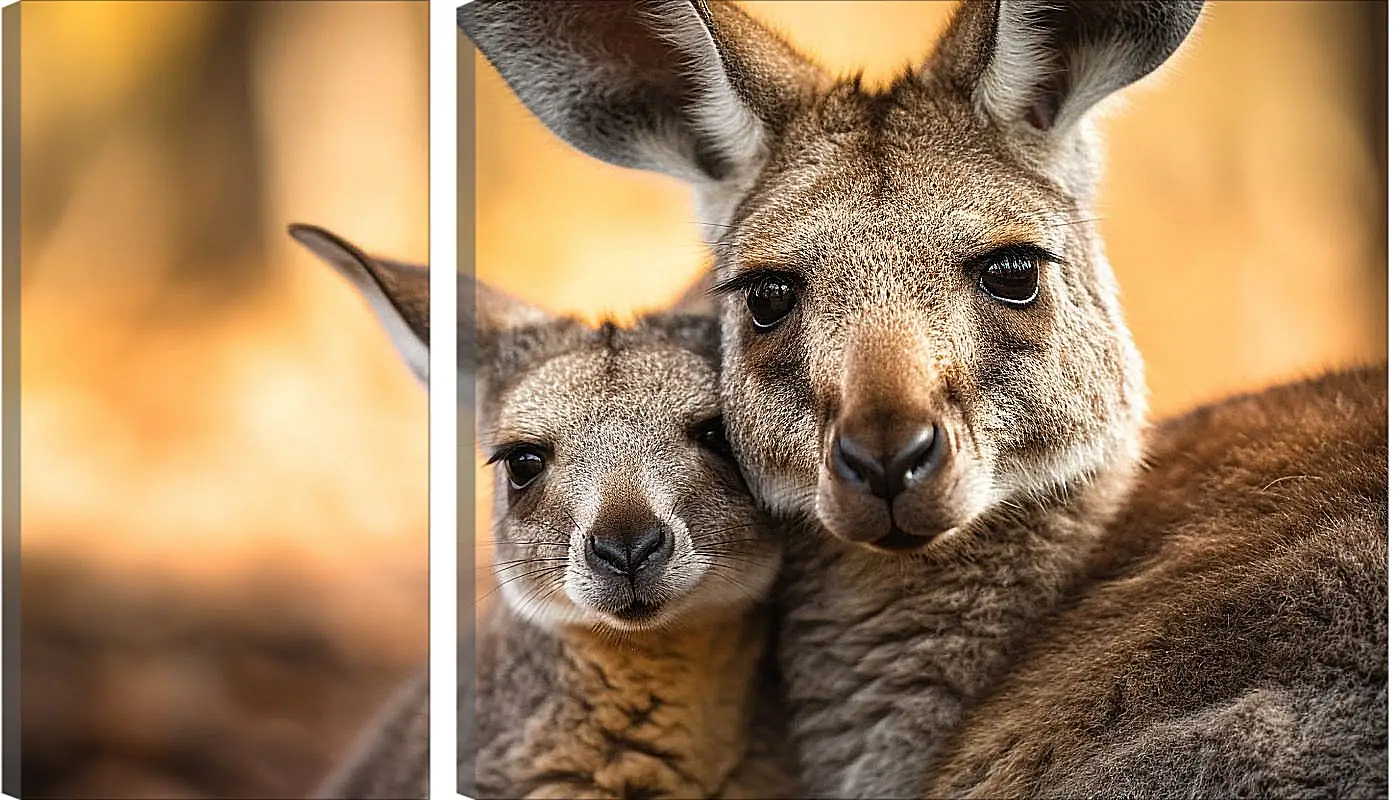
pixel 397 292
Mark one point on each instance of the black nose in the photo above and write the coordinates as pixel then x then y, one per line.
pixel 887 471
pixel 630 553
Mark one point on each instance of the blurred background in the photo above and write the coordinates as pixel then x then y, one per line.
pixel 1243 207
pixel 224 464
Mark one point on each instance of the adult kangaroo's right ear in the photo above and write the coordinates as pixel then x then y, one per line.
pixel 397 292
pixel 681 87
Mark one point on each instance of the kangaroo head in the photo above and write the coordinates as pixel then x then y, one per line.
pixel 919 325
pixel 617 500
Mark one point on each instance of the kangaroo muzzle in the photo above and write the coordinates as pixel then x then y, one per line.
pixel 890 445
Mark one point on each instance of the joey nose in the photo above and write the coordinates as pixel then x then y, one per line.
pixel 884 470
pixel 630 553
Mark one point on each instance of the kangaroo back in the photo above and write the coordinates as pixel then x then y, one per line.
pixel 389 762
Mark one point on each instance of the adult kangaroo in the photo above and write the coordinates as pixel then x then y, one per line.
pixel 996 581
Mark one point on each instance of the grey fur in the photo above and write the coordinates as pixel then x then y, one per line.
pixel 571 701
pixel 568 698
pixel 880 204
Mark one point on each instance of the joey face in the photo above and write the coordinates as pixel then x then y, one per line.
pixel 617 501
pixel 917 332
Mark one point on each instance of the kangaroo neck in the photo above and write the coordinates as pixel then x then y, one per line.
pixel 881 654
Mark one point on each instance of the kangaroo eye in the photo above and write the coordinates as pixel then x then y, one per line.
pixel 771 299
pixel 1012 278
pixel 711 436
pixel 523 464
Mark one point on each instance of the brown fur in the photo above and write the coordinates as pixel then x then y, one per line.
pixel 1176 663
pixel 990 565
pixel 570 700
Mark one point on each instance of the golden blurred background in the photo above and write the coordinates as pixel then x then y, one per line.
pixel 224 464
pixel 1243 207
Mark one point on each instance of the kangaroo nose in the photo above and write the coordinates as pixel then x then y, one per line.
pixel 629 553
pixel 887 471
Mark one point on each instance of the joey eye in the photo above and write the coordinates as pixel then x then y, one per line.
pixel 523 464
pixel 1011 277
pixel 711 435
pixel 770 299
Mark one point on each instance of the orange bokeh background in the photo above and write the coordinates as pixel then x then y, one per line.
pixel 1242 207
pixel 224 465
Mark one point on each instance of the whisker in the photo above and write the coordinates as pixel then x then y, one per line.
pixel 501 584
pixel 571 520
pixel 711 534
pixel 501 566
pixel 1076 222
pixel 549 527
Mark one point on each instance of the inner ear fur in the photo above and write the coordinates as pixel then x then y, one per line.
pixel 1043 64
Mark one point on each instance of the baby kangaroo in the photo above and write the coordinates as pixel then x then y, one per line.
pixel 928 378
pixel 627 657
pixel 390 759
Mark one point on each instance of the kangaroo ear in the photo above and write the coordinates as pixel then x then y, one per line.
pixel 497 312
pixel 397 292
pixel 671 86
pixel 1045 63
pixel 698 299
pixel 484 316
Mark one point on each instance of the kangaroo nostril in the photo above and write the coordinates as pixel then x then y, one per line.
pixel 646 545
pixel 608 553
pixel 855 464
pixel 920 456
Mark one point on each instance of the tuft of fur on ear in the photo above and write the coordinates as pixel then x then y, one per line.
pixel 1046 63
pixel 671 86
pixel 397 292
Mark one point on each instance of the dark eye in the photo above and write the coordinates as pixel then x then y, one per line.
pixel 711 436
pixel 1012 278
pixel 523 464
pixel 770 299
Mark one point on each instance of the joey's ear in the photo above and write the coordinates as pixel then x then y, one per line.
pixel 484 314
pixel 397 292
pixel 1045 63
pixel 697 299
pixel 673 86
pixel 497 312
